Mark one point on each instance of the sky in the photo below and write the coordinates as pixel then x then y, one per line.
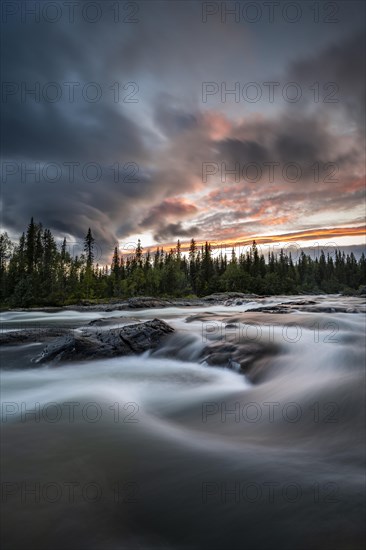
pixel 221 121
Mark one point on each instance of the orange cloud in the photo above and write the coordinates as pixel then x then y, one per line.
pixel 218 126
pixel 320 233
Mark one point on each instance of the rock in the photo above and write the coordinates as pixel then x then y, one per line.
pixel 218 359
pixel 199 317
pixel 147 302
pixel 72 348
pixel 230 297
pixel 326 309
pixel 301 302
pixel 250 358
pixel 306 306
pixel 139 338
pixel 131 339
pixel 28 335
pixel 270 309
pixel 106 321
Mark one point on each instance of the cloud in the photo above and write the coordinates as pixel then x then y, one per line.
pixel 342 65
pixel 169 209
pixel 161 218
pixel 166 232
pixel 170 132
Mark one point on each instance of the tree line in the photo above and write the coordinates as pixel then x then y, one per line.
pixel 36 271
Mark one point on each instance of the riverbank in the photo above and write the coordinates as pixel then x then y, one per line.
pixel 149 302
pixel 142 302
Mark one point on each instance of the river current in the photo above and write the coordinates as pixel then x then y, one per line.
pixel 162 451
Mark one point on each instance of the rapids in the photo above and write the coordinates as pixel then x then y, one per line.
pixel 161 451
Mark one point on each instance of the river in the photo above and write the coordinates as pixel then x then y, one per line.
pixel 162 451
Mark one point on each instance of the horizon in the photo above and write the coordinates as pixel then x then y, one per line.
pixel 265 245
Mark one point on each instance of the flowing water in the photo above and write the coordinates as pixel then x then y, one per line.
pixel 161 451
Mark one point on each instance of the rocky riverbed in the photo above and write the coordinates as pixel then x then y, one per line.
pixel 224 343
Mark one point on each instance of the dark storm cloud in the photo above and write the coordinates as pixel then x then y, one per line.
pixel 169 208
pixel 99 133
pixel 172 231
pixel 160 219
pixel 343 64
pixel 242 151
pixel 173 120
pixel 311 131
pixel 169 133
pixel 68 208
pixel 302 140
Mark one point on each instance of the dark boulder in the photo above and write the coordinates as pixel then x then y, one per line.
pixel 146 302
pixel 107 321
pixel 30 335
pixel 128 340
pixel 253 359
pixel 270 309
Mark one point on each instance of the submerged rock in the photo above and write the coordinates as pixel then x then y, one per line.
pixel 251 359
pixel 270 309
pixel 128 340
pixel 28 335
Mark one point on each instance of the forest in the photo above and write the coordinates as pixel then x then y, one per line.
pixel 39 271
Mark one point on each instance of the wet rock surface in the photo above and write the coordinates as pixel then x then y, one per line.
pixel 270 309
pixel 107 321
pixel 92 344
pixel 26 336
pixel 306 306
pixel 251 359
pixel 147 303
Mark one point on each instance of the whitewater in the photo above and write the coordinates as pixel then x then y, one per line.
pixel 165 451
